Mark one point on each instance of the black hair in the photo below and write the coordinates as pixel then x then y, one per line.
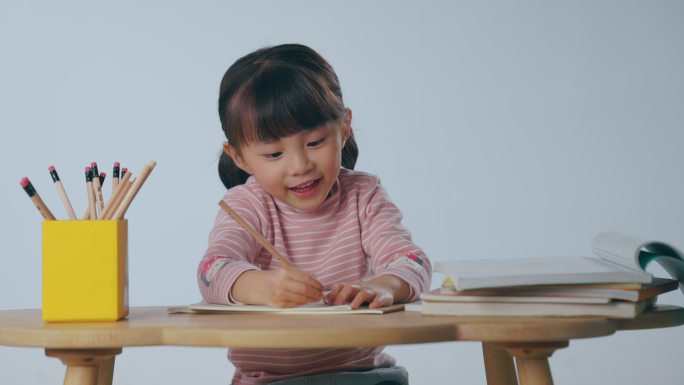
pixel 275 92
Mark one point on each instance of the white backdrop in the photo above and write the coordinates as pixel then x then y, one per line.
pixel 501 129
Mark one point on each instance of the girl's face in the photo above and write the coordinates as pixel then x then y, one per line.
pixel 299 169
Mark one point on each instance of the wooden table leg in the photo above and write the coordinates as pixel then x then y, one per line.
pixel 531 359
pixel 499 365
pixel 86 366
pixel 105 373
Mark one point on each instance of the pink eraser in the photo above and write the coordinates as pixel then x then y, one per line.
pixel 88 169
pixel 51 168
pixel 124 169
pixel 117 164
pixel 93 164
pixel 25 182
pixel 103 174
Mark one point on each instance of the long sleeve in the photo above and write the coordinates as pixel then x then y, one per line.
pixel 231 250
pixel 389 244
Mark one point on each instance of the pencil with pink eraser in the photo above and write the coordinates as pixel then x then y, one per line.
pixel 35 198
pixel 120 191
pixel 62 193
pixel 97 187
pixel 92 213
pixel 115 177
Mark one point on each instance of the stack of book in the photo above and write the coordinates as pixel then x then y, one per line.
pixel 613 284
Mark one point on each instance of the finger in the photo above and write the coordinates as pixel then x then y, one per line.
pixel 286 296
pixel 307 279
pixel 307 284
pixel 283 275
pixel 345 294
pixel 300 282
pixel 302 289
pixel 379 301
pixel 326 293
pixel 332 293
pixel 362 296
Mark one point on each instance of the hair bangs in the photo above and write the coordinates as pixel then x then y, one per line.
pixel 279 101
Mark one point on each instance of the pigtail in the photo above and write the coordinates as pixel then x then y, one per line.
pixel 231 175
pixel 350 152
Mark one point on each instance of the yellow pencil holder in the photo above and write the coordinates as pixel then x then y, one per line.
pixel 85 272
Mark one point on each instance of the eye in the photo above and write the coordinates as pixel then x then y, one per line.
pixel 316 143
pixel 273 155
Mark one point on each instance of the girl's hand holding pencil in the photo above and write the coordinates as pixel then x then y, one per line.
pixel 287 287
pixel 282 288
pixel 123 193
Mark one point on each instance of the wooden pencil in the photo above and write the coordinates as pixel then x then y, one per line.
pixel 115 177
pixel 124 187
pixel 133 191
pixel 258 237
pixel 97 189
pixel 116 196
pixel 62 193
pixel 92 214
pixel 35 198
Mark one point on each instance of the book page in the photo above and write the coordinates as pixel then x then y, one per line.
pixel 481 273
pixel 619 248
pixel 672 265
pixel 615 309
pixel 638 253
pixel 311 308
pixel 314 307
pixel 537 296
pixel 511 267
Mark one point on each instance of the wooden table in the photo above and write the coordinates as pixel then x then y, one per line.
pixel 88 349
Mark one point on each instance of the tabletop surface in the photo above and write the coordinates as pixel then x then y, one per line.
pixel 148 326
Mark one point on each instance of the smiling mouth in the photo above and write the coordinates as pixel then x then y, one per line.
pixel 304 187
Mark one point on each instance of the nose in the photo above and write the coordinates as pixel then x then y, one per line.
pixel 300 163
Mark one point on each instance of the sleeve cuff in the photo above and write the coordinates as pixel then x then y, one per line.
pixel 236 272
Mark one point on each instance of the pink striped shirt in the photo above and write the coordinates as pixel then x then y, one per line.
pixel 356 234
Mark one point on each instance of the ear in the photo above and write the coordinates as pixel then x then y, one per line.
pixel 346 124
pixel 236 157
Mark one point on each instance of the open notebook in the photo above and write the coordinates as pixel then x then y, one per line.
pixel 312 308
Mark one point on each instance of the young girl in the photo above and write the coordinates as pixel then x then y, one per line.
pixel 287 164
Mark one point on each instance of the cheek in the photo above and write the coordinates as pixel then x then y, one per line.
pixel 268 175
pixel 336 157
